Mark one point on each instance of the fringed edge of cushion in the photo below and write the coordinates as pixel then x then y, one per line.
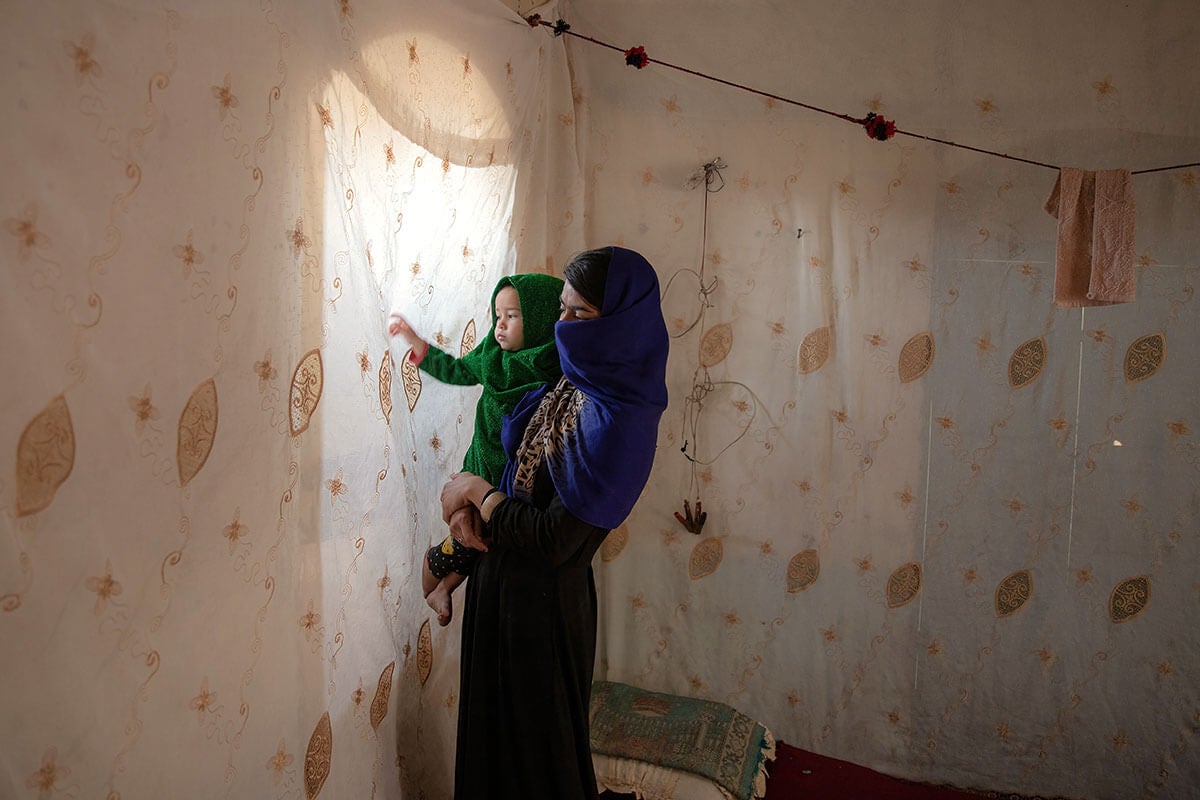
pixel 768 754
pixel 623 775
pixel 650 782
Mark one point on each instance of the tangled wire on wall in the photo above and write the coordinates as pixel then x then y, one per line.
pixel 713 345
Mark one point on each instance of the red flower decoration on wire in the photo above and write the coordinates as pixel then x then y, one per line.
pixel 534 20
pixel 636 57
pixel 878 127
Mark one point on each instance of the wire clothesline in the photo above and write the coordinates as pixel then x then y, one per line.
pixel 636 57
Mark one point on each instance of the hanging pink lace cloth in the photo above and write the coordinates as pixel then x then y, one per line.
pixel 1094 260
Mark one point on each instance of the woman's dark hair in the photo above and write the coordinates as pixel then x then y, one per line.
pixel 587 272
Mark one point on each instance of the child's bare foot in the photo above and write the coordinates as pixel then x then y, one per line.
pixel 439 600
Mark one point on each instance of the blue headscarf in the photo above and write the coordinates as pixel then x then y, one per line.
pixel 609 403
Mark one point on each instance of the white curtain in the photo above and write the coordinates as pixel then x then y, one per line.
pixel 952 530
pixel 220 486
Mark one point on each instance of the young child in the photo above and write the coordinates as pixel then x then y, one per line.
pixel 518 355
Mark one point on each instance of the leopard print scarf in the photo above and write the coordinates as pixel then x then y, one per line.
pixel 555 419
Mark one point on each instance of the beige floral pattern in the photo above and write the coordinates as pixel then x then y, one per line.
pixel 25 229
pixel 226 99
pixel 45 779
pixel 279 762
pixel 144 412
pixel 105 587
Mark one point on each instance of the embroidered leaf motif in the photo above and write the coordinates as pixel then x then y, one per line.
pixel 1027 363
pixel 424 653
pixel 318 757
pixel 383 691
pixel 45 456
pixel 1129 598
pixel 706 557
pixel 903 584
pixel 814 350
pixel 916 357
pixel 1013 593
pixel 410 376
pixel 1145 357
pixel 803 570
pixel 468 339
pixel 716 344
pixel 197 430
pixel 385 387
pixel 614 543
pixel 307 383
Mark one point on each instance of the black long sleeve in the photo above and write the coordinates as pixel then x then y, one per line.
pixel 554 534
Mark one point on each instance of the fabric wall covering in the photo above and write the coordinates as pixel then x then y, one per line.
pixel 218 483
pixel 925 550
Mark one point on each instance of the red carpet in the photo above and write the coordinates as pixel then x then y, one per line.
pixel 800 775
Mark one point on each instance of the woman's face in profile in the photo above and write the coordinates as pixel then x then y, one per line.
pixel 572 307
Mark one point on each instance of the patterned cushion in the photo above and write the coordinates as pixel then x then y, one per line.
pixel 701 737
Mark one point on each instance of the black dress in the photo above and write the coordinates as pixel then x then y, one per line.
pixel 528 646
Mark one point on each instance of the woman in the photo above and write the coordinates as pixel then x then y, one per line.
pixel 579 454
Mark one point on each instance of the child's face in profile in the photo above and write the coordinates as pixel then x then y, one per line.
pixel 510 331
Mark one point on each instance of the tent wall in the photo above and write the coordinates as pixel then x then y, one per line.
pixel 952 529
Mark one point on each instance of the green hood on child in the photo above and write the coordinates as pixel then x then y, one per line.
pixel 507 376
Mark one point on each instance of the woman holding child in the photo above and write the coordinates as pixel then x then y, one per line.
pixel 579 453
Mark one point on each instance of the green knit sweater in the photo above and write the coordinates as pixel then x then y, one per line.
pixel 506 377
